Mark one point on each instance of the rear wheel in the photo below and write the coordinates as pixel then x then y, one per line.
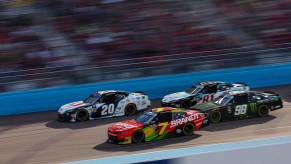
pixel 130 109
pixel 263 111
pixel 188 129
pixel 137 136
pixel 215 116
pixel 82 115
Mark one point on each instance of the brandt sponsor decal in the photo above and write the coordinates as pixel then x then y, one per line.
pixel 183 120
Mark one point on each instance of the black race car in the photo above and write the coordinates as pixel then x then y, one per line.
pixel 240 104
pixel 200 93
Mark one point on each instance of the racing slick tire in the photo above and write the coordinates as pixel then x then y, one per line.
pixel 215 116
pixel 185 104
pixel 82 115
pixel 263 111
pixel 137 136
pixel 188 129
pixel 130 109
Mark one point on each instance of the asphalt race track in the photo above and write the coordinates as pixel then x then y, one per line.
pixel 39 138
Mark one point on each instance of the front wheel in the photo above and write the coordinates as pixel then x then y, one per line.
pixel 82 115
pixel 188 129
pixel 137 136
pixel 130 109
pixel 215 116
pixel 185 104
pixel 263 111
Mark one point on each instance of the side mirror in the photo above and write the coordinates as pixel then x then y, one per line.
pixel 152 122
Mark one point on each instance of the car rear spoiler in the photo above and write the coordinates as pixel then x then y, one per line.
pixel 273 93
pixel 140 92
pixel 241 83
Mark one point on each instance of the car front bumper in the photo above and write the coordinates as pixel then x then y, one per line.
pixel 66 117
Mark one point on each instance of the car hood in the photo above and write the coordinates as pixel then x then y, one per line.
pixel 73 105
pixel 205 107
pixel 125 125
pixel 175 96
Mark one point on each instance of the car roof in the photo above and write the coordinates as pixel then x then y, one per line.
pixel 204 83
pixel 239 92
pixel 167 109
pixel 106 91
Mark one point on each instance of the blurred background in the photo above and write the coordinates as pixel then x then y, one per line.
pixel 46 43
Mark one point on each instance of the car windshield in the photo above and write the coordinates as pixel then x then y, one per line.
pixel 194 89
pixel 146 118
pixel 223 100
pixel 92 98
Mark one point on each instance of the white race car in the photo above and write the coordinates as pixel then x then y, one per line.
pixel 201 92
pixel 104 104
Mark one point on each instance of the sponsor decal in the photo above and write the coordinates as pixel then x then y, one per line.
pixel 127 100
pixel 122 102
pixel 253 107
pixel 77 103
pixel 124 125
pixel 138 98
pixel 229 109
pixel 143 97
pixel 183 120
pixel 205 122
pixel 276 98
pixel 143 102
pixel 178 131
pixel 265 100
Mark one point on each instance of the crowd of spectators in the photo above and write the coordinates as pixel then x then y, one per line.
pixel 143 31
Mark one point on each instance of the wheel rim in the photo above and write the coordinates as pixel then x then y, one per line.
pixel 82 115
pixel 263 111
pixel 130 110
pixel 188 130
pixel 215 117
pixel 138 136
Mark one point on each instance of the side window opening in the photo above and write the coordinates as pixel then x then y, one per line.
pixel 108 98
pixel 241 99
pixel 165 117
pixel 211 89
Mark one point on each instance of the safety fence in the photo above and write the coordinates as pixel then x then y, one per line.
pixel 155 87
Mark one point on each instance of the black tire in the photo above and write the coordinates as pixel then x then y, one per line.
pixel 215 116
pixel 188 129
pixel 82 115
pixel 137 136
pixel 185 104
pixel 130 109
pixel 263 111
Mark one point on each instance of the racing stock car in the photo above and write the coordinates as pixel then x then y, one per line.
pixel 201 92
pixel 103 104
pixel 157 124
pixel 240 104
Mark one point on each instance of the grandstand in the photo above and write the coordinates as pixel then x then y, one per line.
pixel 48 43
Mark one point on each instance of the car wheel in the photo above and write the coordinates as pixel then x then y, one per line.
pixel 185 104
pixel 82 115
pixel 137 136
pixel 263 111
pixel 215 116
pixel 188 129
pixel 130 109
